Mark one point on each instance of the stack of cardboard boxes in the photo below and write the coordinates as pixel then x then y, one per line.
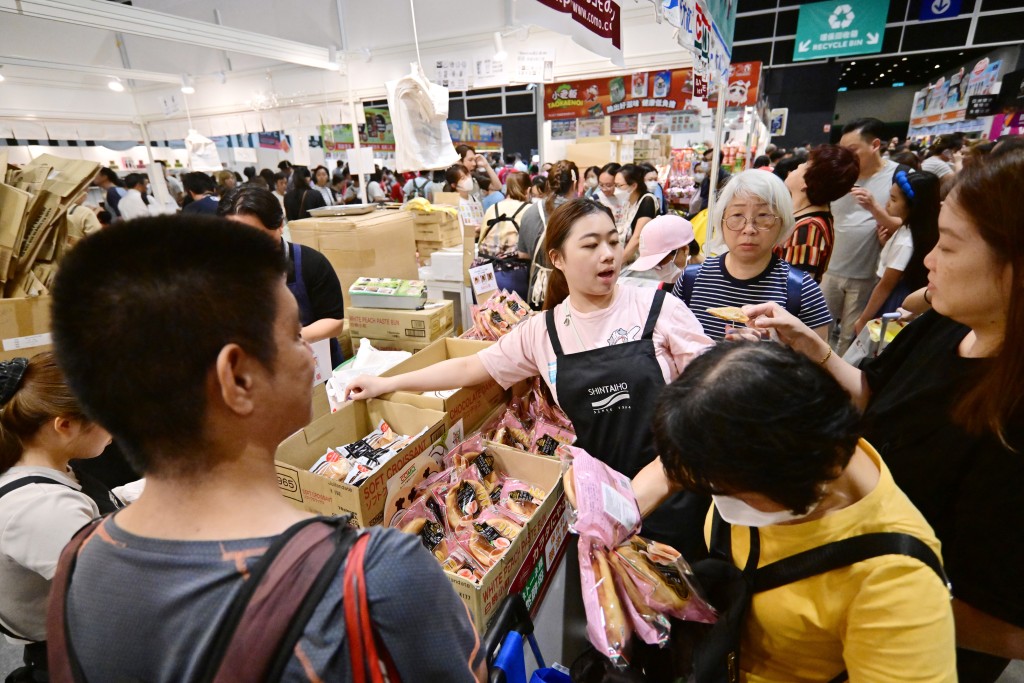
pixel 399 330
pixel 434 232
pixel 33 238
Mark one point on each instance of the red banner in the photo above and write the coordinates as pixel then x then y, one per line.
pixel 644 92
pixel 600 17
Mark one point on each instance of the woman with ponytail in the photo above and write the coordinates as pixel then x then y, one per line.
pixel 604 350
pixel 42 504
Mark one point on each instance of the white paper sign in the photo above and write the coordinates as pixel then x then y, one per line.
pixel 360 161
pixel 322 356
pixel 29 342
pixel 535 66
pixel 483 279
pixel 453 73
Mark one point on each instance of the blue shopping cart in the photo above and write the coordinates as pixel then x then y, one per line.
pixel 503 643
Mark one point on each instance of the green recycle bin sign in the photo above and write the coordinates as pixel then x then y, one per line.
pixel 840 28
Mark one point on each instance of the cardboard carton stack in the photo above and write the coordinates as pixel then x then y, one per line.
pixel 33 238
pixel 434 232
pixel 402 330
pixel 657 149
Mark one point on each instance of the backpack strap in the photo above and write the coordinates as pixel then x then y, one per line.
pixel 64 666
pixel 843 553
pixel 270 612
pixel 794 289
pixel 689 278
pixel 33 479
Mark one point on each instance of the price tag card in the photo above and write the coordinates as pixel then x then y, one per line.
pixel 483 279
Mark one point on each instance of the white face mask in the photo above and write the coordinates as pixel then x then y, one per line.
pixel 736 512
pixel 591 183
pixel 623 195
pixel 651 185
pixel 699 177
pixel 465 185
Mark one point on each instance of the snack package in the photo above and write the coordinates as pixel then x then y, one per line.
pixel 608 627
pixel 472 454
pixel 463 500
pixel 650 625
pixel 541 406
pixel 418 520
pixel 497 316
pixel 460 564
pixel 520 499
pixel 367 454
pixel 664 579
pixel 548 437
pixel 516 434
pixel 332 465
pixel 489 537
pixel 606 509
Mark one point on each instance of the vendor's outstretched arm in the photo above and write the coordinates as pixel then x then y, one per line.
pixel 651 486
pixel 454 373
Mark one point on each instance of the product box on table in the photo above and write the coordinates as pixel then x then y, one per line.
pixel 352 422
pixel 469 404
pixel 379 244
pixel 24 327
pixel 402 344
pixel 439 226
pixel 531 560
pixel 424 325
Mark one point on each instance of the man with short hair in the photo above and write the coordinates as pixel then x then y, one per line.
pixel 200 188
pixel 851 274
pixel 135 203
pixel 108 181
pixel 179 335
pixel 509 167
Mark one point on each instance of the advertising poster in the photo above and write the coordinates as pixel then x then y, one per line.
pixel 945 100
pixel 684 122
pixel 624 125
pixel 777 122
pixel 563 130
pixel 482 136
pixel 376 133
pixel 663 91
pixel 273 141
pixel 1006 124
pixel 589 128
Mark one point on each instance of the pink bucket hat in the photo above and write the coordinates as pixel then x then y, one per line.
pixel 660 237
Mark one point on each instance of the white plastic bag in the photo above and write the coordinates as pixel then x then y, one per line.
pixel 367 361
pixel 419 111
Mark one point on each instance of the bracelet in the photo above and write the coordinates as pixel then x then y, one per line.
pixel 827 356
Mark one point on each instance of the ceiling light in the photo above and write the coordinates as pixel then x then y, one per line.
pixel 499 48
pixel 187 85
pixel 904 59
pixel 854 63
pixel 1 78
pixel 115 84
pixel 881 75
pixel 936 66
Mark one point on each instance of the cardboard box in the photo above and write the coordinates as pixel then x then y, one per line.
pixel 345 340
pixel 530 562
pixel 401 344
pixel 439 226
pixel 469 404
pixel 378 244
pixel 353 421
pixel 428 247
pixel 379 323
pixel 24 327
pixel 447 265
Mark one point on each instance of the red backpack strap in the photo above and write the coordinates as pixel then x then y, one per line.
pixel 64 666
pixel 369 657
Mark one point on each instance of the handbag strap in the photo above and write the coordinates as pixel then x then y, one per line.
pixel 367 652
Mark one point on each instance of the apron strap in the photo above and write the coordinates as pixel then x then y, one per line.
pixel 652 317
pixel 553 332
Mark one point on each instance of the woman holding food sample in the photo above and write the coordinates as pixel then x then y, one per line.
pixel 755 214
pixel 605 352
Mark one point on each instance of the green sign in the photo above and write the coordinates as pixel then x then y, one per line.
pixel 838 28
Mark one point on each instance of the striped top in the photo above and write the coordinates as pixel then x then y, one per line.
pixel 810 246
pixel 715 287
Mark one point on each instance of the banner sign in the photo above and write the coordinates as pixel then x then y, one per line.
pixel 644 92
pixel 946 99
pixel 593 24
pixel 480 136
pixel 376 132
pixel 840 28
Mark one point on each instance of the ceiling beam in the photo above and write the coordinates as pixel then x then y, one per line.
pixel 108 71
pixel 112 16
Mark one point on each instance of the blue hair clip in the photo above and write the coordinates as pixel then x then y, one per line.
pixel 904 183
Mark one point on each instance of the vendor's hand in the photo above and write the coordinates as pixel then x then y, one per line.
pixel 364 387
pixel 733 333
pixel 791 330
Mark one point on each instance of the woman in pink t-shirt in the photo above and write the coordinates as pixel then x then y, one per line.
pixel 605 351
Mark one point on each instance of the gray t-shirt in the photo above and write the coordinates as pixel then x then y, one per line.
pixel 856 249
pixel 531 230
pixel 142 609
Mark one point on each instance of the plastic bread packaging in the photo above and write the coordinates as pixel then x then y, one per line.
pixel 332 465
pixel 606 510
pixel 420 521
pixel 472 454
pixel 651 626
pixel 520 499
pixel 489 537
pixel 463 500
pixel 664 579
pixel 548 437
pixel 608 626
pixel 460 564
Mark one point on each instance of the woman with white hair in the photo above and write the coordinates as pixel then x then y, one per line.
pixel 754 214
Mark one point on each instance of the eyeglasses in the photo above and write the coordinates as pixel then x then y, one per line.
pixel 762 221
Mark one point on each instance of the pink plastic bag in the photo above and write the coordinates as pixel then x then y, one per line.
pixel 606 509
pixel 608 625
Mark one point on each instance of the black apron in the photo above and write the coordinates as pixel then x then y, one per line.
pixel 610 394
pixel 306 314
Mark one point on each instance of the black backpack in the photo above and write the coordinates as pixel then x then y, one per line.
pixel 419 190
pixel 716 655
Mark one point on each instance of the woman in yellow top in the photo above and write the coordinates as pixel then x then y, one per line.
pixel 774 438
